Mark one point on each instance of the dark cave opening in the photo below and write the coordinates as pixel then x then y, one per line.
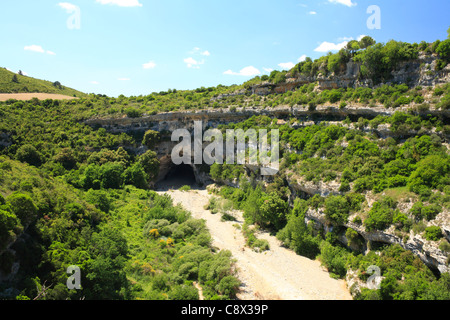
pixel 178 176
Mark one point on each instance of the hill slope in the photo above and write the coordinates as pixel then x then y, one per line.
pixel 15 83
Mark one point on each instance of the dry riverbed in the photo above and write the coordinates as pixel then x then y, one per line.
pixel 277 274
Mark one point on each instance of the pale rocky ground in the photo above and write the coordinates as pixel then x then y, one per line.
pixel 277 274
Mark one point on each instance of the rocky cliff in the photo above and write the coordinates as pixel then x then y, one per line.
pixel 419 72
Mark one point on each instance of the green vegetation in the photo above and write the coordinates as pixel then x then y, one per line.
pixel 11 82
pixel 71 194
pixel 81 198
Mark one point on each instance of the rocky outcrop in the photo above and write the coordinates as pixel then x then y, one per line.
pixel 419 72
pixel 211 118
pixel 427 251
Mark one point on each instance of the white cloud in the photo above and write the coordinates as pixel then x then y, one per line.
pixel 121 3
pixel 302 58
pixel 328 46
pixel 246 72
pixel 312 12
pixel 39 49
pixel 268 69
pixel 199 51
pixel 149 65
pixel 192 63
pixel 287 65
pixel 69 7
pixel 94 82
pixel 34 48
pixel 347 3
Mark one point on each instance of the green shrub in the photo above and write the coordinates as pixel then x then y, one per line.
pixel 433 233
pixel 334 259
pixel 185 188
pixel 381 215
pixel 28 153
pixel 337 209
pixel 23 207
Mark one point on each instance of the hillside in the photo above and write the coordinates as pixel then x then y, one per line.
pixel 364 180
pixel 11 82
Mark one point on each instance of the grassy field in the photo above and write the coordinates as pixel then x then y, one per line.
pixel 29 96
pixel 11 82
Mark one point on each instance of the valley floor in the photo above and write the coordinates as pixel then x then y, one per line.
pixel 277 274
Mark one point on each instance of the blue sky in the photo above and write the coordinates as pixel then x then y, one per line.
pixel 135 47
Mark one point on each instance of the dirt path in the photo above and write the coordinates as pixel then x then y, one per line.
pixel 277 274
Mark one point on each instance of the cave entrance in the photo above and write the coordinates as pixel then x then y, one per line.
pixel 177 177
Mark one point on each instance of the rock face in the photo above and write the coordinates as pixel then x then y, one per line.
pixel 419 72
pixel 427 251
pixel 211 118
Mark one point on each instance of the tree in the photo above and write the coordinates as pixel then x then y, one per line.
pixel 431 172
pixel 28 153
pixel 297 234
pixel 334 63
pixel 100 199
pixel 229 285
pixel 444 50
pixel 14 79
pixel 57 84
pixel 9 226
pixel 66 158
pixel 273 210
pixel 151 138
pixel 133 113
pixel 23 207
pixel 112 176
pixel 366 42
pixel 136 176
pixel 353 46
pixel 150 164
pixel 337 209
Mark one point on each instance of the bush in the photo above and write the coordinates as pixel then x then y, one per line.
pixel 28 153
pixel 136 176
pixel 9 226
pixel 444 49
pixel 334 259
pixel 133 113
pixel 100 199
pixel 229 286
pixel 337 209
pixel 433 233
pixel 23 207
pixel 380 216
pixel 151 138
pixel 150 164
pixel 184 292
pixel 112 176
pixel 430 172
